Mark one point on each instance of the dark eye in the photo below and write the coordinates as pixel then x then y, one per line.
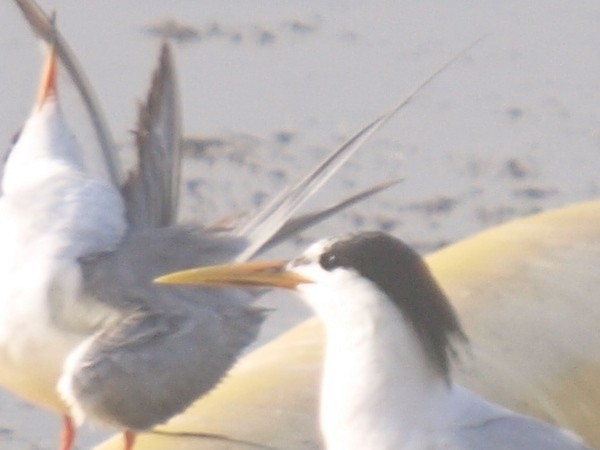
pixel 329 261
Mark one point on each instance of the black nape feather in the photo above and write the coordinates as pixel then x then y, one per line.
pixel 402 274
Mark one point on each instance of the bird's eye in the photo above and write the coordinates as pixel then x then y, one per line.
pixel 328 261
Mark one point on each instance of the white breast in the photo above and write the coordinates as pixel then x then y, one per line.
pixel 51 214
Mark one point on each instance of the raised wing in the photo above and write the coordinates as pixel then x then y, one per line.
pixel 151 191
pixel 266 223
pixel 302 222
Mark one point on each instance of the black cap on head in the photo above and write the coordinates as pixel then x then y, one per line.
pixel 403 275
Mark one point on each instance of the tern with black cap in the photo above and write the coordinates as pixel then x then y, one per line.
pixel 83 331
pixel 390 334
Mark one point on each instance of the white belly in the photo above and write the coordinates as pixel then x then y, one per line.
pixel 32 347
pixel 31 362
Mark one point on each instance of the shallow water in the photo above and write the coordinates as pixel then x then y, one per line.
pixel 509 129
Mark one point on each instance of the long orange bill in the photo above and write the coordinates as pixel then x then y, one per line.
pixel 47 87
pixel 262 273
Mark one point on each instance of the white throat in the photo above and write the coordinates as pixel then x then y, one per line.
pixel 45 149
pixel 379 390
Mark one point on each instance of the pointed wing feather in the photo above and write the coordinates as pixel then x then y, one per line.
pixel 275 214
pixel 302 222
pixel 152 190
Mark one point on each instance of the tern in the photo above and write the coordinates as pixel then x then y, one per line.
pixel 390 335
pixel 83 331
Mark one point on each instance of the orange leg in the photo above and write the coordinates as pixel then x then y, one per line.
pixel 129 437
pixel 67 434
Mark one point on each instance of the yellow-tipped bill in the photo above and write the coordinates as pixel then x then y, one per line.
pixel 48 82
pixel 262 273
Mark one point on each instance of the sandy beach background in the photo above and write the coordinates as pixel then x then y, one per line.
pixel 269 87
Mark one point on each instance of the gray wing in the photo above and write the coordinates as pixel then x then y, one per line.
pixel 153 364
pixel 152 190
pixel 269 220
pixel 301 222
pixel 515 432
pixel 166 347
pixel 297 224
pixel 145 254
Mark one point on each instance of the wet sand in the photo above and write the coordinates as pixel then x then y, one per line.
pixel 510 129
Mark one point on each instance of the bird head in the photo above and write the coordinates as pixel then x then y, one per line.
pixel 357 272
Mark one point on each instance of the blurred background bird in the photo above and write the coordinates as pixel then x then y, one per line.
pixel 83 331
pixel 389 334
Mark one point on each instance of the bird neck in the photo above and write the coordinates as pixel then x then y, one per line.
pixel 44 149
pixel 51 206
pixel 379 387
